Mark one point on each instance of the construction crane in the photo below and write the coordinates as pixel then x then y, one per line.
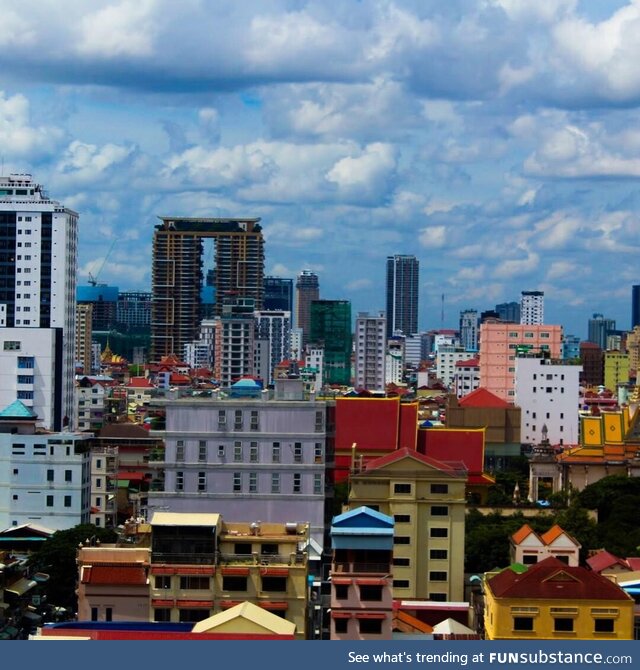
pixel 93 278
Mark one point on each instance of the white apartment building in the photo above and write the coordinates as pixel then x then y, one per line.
pixel 38 293
pixel 532 308
pixel 44 476
pixel 275 327
pixel 314 361
pixel 466 377
pixel 446 360
pixel 547 391
pixel 370 344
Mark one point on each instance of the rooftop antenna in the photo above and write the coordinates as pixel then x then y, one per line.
pixel 442 311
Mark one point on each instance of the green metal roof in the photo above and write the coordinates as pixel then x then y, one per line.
pixel 17 410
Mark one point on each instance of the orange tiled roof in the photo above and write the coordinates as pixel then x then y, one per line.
pixel 552 534
pixel 522 533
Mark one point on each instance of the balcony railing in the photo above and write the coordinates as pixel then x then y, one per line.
pixel 366 568
pixel 196 559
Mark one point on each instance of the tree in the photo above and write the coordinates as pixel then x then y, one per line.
pixel 57 558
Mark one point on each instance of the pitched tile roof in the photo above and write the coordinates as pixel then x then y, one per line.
pixel 139 383
pixel 522 534
pixel 405 452
pixel 481 397
pixel 134 575
pixel 603 560
pixel 554 533
pixel 552 579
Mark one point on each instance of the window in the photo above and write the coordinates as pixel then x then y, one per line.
pixel 439 510
pixel 563 625
pixel 438 597
pixel 317 484
pixel 49 501
pixel 162 614
pixel 202 452
pixel 99 482
pixel 179 452
pixel 253 482
pixel 317 452
pixel 67 501
pixel 370 592
pixel 94 614
pixel 341 625
pixel 163 582
pixel 221 451
pixel 25 395
pixel 402 518
pixel 401 562
pixel 237 421
pixel 25 379
pixel 275 482
pixel 222 417
pixel 402 488
pixel 439 488
pixel 195 583
pixel 319 422
pixel 297 452
pixel 237 482
pixel 401 539
pixel 278 584
pixel 12 345
pixel 179 481
pixel 254 420
pixel 438 554
pixel 234 583
pixel 98 501
pixel 369 626
pixel 237 452
pixel 603 625
pixel 528 334
pixel 297 482
pixel 529 559
pixel 544 335
pixel 202 481
pixel 192 614
pixel 437 576
pixel 253 452
pixel 50 475
pixel 275 452
pixel 68 476
pixel 401 583
pixel 341 591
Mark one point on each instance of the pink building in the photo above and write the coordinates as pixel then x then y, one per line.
pixel 500 343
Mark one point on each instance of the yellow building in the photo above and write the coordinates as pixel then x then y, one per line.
pixel 426 499
pixel 616 369
pixel 552 601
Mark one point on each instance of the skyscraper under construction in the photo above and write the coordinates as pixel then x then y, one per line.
pixel 177 274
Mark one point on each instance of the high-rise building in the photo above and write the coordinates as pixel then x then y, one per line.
pixel 331 328
pixel 402 294
pixel 570 347
pixel 275 327
pixel 133 311
pixel 234 341
pixel 278 294
pixel 592 364
pixel 177 279
pixel 508 311
pixel 599 329
pixel 469 329
pixel 371 345
pixel 38 257
pixel 104 300
pixel 532 308
pixel 83 337
pixel 307 290
pixel 635 306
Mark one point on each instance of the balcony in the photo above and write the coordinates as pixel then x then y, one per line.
pixel 362 568
pixel 184 559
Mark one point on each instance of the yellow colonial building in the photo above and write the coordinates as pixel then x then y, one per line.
pixel 552 601
pixel 426 499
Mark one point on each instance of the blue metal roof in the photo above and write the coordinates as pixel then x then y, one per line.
pixel 362 517
pixel 17 410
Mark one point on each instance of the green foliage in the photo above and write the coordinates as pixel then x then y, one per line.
pixel 57 557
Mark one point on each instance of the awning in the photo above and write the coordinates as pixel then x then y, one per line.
pixel 226 604
pixel 157 602
pixel 194 603
pixel 371 581
pixel 341 581
pixel 162 570
pixel 235 571
pixel 132 475
pixel 274 572
pixel 337 614
pixel 20 587
pixel 195 570
pixel 32 616
pixel 371 615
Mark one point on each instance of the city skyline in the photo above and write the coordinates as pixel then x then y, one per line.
pixel 510 168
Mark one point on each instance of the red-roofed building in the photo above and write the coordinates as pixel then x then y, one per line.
pixel 376 426
pixel 466 377
pixel 553 601
pixel 481 408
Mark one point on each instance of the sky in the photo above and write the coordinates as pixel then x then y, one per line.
pixel 496 140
